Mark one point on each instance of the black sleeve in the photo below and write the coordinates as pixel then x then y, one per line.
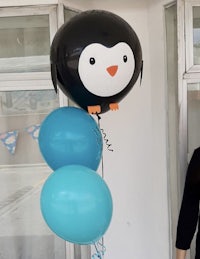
pixel 189 211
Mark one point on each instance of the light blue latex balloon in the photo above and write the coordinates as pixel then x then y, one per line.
pixel 76 204
pixel 69 135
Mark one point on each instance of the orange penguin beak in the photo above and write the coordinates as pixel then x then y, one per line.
pixel 112 70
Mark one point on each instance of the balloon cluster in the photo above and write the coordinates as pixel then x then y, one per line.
pixel 76 202
pixel 96 58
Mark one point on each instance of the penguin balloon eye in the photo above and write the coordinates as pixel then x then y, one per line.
pixel 92 61
pixel 125 58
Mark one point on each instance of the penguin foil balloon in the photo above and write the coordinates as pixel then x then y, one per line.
pixel 96 59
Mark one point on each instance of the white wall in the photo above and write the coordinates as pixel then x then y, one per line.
pixel 136 171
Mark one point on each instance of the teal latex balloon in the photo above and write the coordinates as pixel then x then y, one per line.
pixel 76 204
pixel 69 135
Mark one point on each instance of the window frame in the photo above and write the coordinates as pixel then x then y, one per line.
pixel 34 80
pixel 191 68
pixel 12 78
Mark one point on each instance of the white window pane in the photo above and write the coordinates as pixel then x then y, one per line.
pixel 196 35
pixel 24 233
pixel 193 100
pixel 24 43
pixel 21 113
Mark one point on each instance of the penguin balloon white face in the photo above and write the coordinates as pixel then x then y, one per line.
pixel 106 71
pixel 96 58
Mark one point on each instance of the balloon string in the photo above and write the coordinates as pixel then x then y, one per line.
pixel 102 160
pixel 100 250
pixel 104 135
pixel 99 246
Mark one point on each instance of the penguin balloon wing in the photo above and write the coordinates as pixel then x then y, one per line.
pixel 54 76
pixel 141 72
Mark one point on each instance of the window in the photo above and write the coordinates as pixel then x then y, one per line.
pixel 25 44
pixel 26 92
pixel 190 72
pixel 192 29
pixel 188 87
pixel 27 96
pixel 196 34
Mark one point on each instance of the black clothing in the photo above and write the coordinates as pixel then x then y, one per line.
pixel 189 212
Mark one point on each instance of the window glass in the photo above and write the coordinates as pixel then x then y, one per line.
pixel 24 43
pixel 193 100
pixel 196 35
pixel 24 233
pixel 21 113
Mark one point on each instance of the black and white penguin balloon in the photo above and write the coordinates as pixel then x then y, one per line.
pixel 96 58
